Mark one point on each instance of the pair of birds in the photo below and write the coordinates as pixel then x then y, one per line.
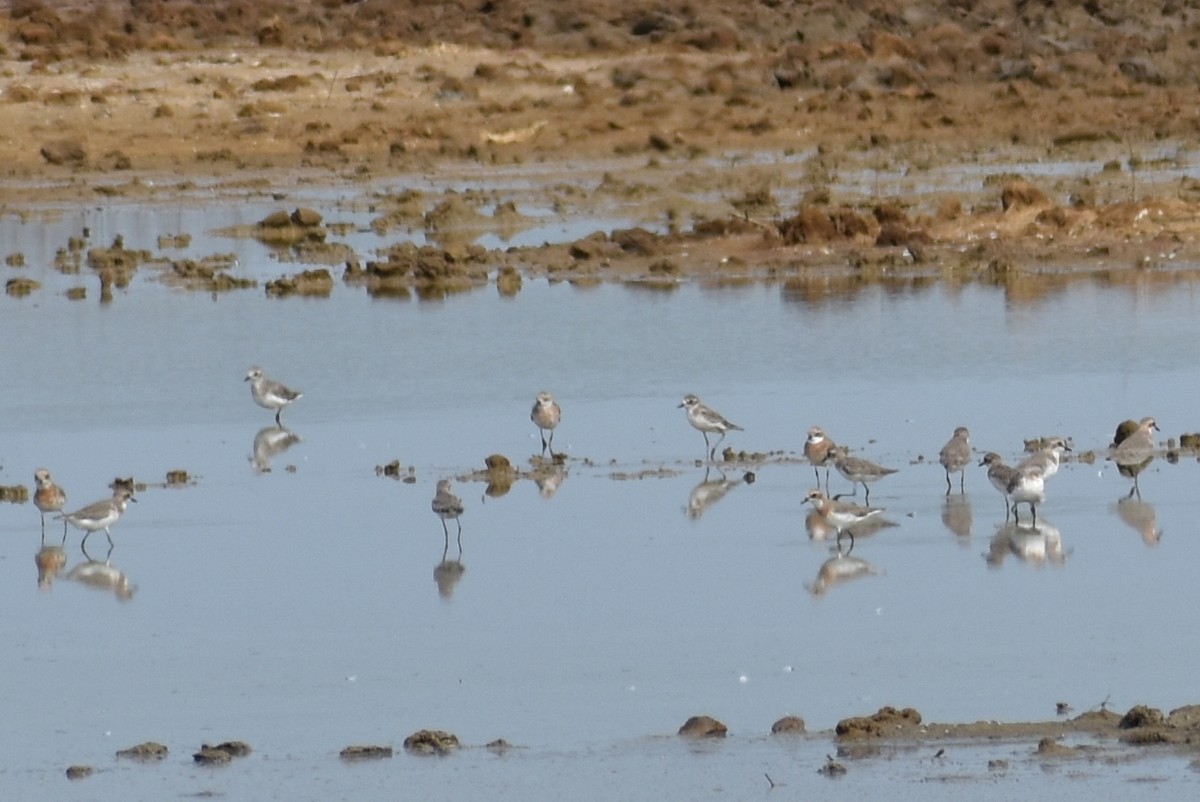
pixel 821 451
pixel 49 497
pixel 270 394
pixel 546 415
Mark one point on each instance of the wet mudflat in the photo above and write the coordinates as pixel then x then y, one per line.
pixel 316 604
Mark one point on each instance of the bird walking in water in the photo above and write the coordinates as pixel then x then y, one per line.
pixel 101 514
pixel 840 515
pixel 858 470
pixel 268 393
pixel 707 420
pixel 546 415
pixel 48 497
pixel 955 456
pixel 448 507
pixel 818 450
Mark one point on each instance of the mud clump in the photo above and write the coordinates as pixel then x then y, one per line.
pixel 14 494
pixel 177 477
pixel 209 275
pixel 703 727
pixel 431 742
pixel 146 751
pixel 365 752
pixel 283 229
pixel 20 287
pixel 79 772
pixel 65 153
pixel 887 722
pixel 309 283
pixel 500 475
pixel 222 752
pixel 788 725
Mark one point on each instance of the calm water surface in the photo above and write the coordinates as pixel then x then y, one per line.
pixel 311 606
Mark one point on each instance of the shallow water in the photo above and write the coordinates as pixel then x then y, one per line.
pixel 299 608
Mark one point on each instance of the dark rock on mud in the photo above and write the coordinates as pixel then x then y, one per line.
pixel 500 746
pixel 79 772
pixel 703 727
pixel 788 725
pixel 66 152
pixel 149 750
pixel 208 275
pixel 431 742
pixel 887 722
pixel 212 757
pixel 365 752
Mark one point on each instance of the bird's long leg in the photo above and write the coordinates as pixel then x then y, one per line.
pixel 460 540
pixel 445 530
pixel 278 412
pixel 108 535
pixel 43 528
pixel 962 481
pixel 867 488
pixel 706 448
pixel 949 487
pixel 1033 510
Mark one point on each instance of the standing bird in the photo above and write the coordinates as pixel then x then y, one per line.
pixel 1133 449
pixel 1028 483
pixel 858 470
pixel 546 415
pixel 955 456
pixel 101 514
pixel 818 450
pixel 840 514
pixel 999 475
pixel 707 419
pixel 269 394
pixel 48 497
pixel 448 507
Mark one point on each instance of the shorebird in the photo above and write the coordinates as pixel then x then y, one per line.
pixel 1047 457
pixel 448 507
pixel 1133 449
pixel 999 475
pixel 858 470
pixel 707 419
pixel 840 515
pixel 1028 482
pixel 817 448
pixel 546 415
pixel 101 514
pixel 270 394
pixel 48 497
pixel 955 456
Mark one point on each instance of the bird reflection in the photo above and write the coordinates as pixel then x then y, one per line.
pixel 447 573
pixel 548 482
pixel 1035 544
pixel 1140 515
pixel 956 514
pixel 50 560
pixel 708 493
pixel 103 576
pixel 270 442
pixel 838 569
pixel 819 527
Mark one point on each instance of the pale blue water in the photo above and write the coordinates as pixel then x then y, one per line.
pixel 298 610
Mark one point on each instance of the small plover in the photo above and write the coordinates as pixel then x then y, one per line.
pixel 268 393
pixel 858 470
pixel 101 514
pixel 817 450
pixel 448 507
pixel 546 415
pixel 955 456
pixel 707 419
pixel 840 515
pixel 48 497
